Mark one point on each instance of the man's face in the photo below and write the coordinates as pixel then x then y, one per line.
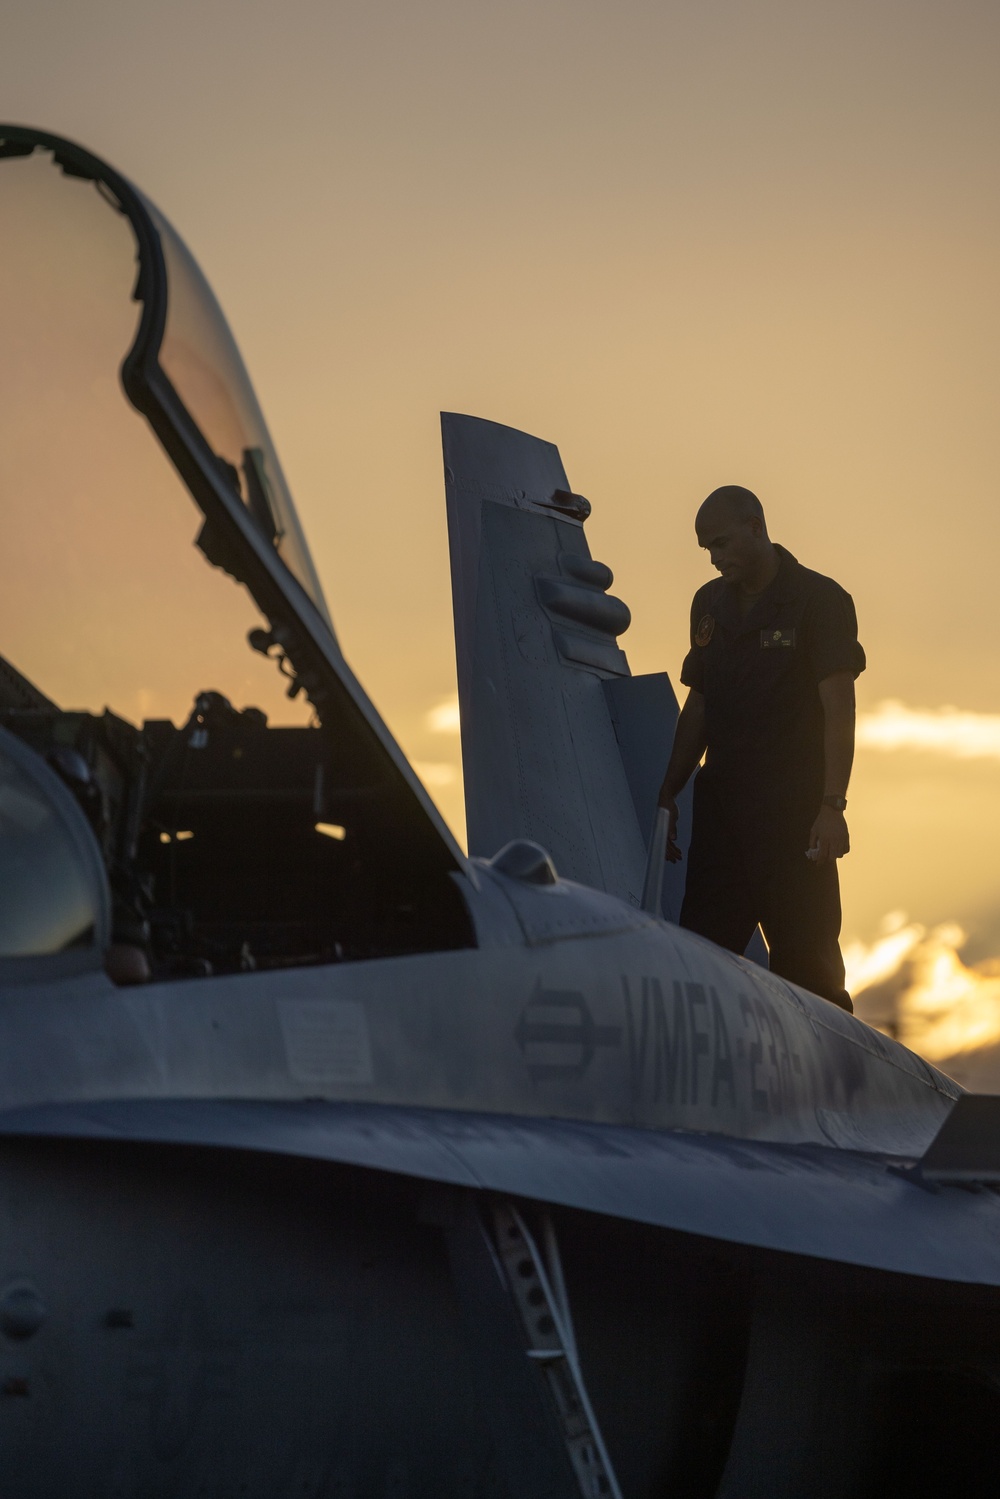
pixel 733 545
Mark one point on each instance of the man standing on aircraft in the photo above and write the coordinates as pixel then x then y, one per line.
pixel 771 671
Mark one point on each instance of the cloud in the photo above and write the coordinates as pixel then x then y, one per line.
pixel 943 731
pixel 872 963
pixel 921 990
pixel 947 731
pixel 444 717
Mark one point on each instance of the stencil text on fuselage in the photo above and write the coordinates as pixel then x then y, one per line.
pixel 681 1050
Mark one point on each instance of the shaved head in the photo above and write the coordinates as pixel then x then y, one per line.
pixel 730 526
pixel 733 501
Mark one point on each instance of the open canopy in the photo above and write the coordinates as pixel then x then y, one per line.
pixel 103 601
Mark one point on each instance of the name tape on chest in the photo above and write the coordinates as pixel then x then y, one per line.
pixel 777 640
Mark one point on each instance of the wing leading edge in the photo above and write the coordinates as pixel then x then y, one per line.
pixel 807 1200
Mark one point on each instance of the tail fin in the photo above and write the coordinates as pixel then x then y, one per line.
pixel 561 744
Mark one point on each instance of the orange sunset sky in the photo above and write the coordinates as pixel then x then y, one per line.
pixel 691 243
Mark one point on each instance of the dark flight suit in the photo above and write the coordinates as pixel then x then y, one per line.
pixel 761 786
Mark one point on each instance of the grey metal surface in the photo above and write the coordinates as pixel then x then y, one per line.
pixel 221 1325
pixel 806 1200
pixel 967 1146
pixel 652 888
pixel 801 1428
pixel 644 716
pixel 598 1012
pixel 535 639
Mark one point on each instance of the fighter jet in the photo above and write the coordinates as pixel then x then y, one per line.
pixel 335 1160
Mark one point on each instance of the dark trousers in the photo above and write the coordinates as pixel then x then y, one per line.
pixel 746 868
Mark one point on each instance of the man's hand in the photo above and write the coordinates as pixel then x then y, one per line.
pixel 828 837
pixel 672 852
pixel 688 748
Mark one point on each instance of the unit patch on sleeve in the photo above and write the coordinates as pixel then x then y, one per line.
pixel 706 627
pixel 777 640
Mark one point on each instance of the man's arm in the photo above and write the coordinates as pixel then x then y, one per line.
pixel 829 838
pixel 689 746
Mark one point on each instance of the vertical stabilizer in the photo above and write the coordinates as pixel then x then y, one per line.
pixel 560 743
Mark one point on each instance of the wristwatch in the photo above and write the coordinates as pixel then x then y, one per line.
pixel 838 803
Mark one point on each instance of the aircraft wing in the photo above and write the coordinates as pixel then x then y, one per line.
pixel 810 1200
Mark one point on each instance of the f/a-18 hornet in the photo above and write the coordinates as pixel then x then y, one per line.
pixel 333 1160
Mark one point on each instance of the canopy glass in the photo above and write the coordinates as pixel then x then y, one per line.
pixel 104 601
